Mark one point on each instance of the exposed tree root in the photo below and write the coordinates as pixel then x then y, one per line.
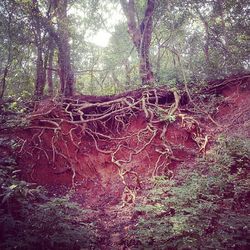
pixel 62 129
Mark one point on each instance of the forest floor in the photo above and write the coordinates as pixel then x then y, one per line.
pixel 103 151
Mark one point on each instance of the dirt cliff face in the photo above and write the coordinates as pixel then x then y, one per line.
pixel 106 148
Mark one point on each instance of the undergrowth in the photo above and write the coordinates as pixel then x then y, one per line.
pixel 205 206
pixel 30 219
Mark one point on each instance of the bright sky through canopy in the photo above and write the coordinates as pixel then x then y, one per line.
pixel 111 18
pixel 100 38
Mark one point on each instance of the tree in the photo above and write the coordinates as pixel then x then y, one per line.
pixel 58 31
pixel 61 37
pixel 39 39
pixel 51 48
pixel 10 35
pixel 9 60
pixel 141 34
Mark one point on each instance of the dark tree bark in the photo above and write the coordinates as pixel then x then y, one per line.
pixel 50 67
pixel 60 35
pixel 9 59
pixel 40 44
pixel 3 80
pixel 40 74
pixel 42 57
pixel 141 35
pixel 5 72
pixel 64 58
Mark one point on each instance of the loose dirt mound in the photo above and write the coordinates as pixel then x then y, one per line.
pixel 106 148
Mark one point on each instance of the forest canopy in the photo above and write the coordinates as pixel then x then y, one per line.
pixel 106 47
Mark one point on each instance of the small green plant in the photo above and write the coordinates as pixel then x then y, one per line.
pixel 206 207
pixel 165 116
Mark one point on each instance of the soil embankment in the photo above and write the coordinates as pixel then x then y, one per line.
pixel 103 151
pixel 106 148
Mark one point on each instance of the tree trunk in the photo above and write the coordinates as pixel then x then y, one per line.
pixel 207 36
pixel 66 74
pixel 128 75
pixel 224 37
pixel 61 37
pixel 50 71
pixel 3 81
pixel 141 36
pixel 9 59
pixel 40 61
pixel 146 28
pixel 146 72
pixel 158 64
pixel 40 74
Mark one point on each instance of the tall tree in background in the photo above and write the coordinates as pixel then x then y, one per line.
pixel 61 37
pixel 7 26
pixel 51 53
pixel 141 34
pixel 39 41
pixel 12 38
pixel 58 34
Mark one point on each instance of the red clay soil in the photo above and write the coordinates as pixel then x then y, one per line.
pixel 106 148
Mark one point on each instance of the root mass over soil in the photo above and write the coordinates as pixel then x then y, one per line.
pixel 106 148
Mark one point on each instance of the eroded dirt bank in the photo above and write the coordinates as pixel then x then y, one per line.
pixel 104 150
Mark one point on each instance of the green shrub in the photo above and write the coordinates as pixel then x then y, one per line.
pixel 203 207
pixel 29 219
pixel 55 224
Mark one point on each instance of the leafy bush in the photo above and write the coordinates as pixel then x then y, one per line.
pixel 55 224
pixel 29 219
pixel 12 114
pixel 205 207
